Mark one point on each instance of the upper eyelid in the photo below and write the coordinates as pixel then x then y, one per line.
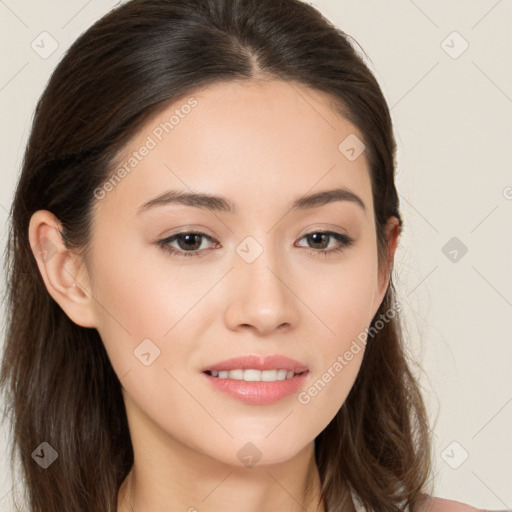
pixel 312 228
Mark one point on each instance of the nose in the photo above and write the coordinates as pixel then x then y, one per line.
pixel 261 296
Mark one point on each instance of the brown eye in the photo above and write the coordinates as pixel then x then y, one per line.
pixel 188 243
pixel 317 238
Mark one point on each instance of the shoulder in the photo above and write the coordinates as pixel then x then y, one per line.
pixel 433 504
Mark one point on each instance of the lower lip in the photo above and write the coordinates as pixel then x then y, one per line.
pixel 258 393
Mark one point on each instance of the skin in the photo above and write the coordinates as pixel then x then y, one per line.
pixel 262 145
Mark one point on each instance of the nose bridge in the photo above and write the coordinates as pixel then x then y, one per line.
pixel 261 295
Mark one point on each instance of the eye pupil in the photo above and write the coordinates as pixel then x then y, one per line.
pixel 190 237
pixel 321 237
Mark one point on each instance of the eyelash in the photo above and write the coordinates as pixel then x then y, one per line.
pixel 345 240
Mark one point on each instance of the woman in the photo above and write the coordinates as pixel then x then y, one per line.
pixel 201 307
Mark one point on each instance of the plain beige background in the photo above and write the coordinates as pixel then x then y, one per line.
pixel 445 70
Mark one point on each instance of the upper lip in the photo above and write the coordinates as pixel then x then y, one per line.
pixel 274 362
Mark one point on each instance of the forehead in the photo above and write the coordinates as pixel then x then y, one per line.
pixel 259 143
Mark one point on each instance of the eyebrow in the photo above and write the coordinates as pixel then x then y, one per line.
pixel 222 204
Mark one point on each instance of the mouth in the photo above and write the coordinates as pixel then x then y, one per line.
pixel 255 375
pixel 257 380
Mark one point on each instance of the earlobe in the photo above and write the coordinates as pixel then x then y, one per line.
pixel 59 269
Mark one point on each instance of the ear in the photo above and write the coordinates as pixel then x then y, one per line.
pixel 59 268
pixel 393 230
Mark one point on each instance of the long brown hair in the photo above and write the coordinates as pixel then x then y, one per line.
pixel 59 385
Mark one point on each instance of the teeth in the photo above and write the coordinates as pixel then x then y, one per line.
pixel 283 374
pixel 235 374
pixel 251 375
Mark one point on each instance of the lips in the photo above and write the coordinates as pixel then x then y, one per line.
pixel 273 362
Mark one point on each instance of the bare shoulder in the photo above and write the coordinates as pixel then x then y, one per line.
pixel 433 504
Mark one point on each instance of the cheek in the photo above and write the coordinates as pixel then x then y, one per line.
pixel 137 300
pixel 342 297
pixel 148 321
pixel 328 389
pixel 342 300
pixel 339 357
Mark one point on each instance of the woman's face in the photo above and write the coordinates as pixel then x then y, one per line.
pixel 255 281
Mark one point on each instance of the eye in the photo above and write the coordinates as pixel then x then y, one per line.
pixel 190 242
pixel 319 238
